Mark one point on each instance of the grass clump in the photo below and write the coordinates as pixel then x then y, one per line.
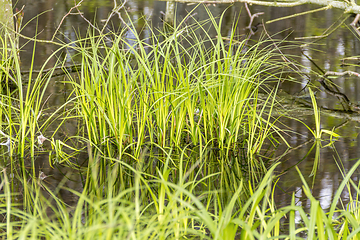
pixel 181 90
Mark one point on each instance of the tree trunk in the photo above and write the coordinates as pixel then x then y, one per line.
pixel 7 32
pixel 170 13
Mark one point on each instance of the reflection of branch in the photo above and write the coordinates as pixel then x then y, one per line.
pixel 300 146
pixel 331 88
pixel 344 100
pixel 62 20
pixel 301 106
pixel 289 151
pixel 325 34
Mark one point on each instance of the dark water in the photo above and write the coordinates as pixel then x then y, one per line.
pixel 327 53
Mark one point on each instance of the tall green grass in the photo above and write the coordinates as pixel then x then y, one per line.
pixel 24 119
pixel 181 90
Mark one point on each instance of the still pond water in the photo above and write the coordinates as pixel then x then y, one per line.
pixel 327 53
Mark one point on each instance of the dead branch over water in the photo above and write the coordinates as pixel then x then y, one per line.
pixel 304 107
pixel 347 6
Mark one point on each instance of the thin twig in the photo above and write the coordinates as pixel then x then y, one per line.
pixel 86 20
pixel 116 10
pixel 252 17
pixel 356 19
pixel 298 14
pixel 350 73
pixel 326 33
pixel 67 14
pixel 190 16
pixel 353 24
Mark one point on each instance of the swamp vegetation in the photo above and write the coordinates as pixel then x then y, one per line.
pixel 174 140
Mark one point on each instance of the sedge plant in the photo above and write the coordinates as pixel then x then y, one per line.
pixel 317 133
pixel 175 90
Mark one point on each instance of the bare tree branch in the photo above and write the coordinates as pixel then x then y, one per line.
pixel 350 73
pixel 116 10
pixel 353 24
pixel 346 6
pixel 62 20
pixel 252 17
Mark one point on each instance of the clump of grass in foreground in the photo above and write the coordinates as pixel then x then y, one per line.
pixel 22 101
pixel 181 90
pixel 24 119
pixel 158 207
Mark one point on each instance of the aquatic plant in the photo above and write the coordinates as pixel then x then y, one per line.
pixel 318 130
pixel 181 90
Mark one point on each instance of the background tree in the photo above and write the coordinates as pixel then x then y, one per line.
pixel 7 23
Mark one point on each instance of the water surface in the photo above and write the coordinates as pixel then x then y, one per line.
pixel 327 53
